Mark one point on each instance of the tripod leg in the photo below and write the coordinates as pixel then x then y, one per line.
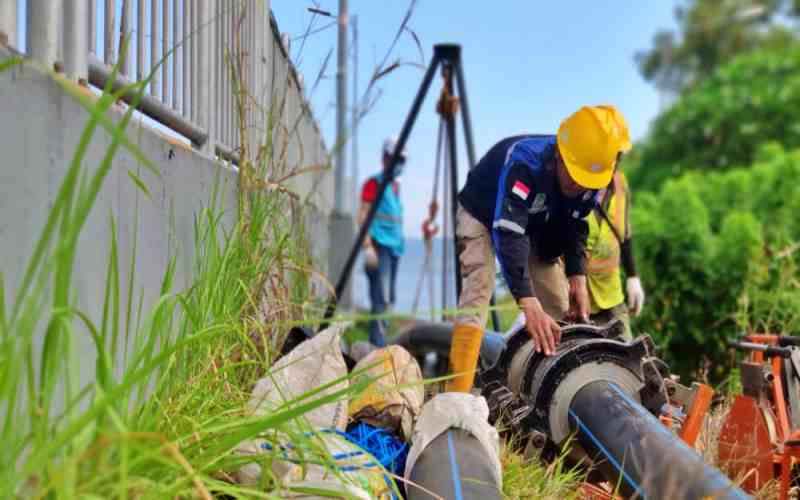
pixel 450 123
pixel 465 117
pixel 467 124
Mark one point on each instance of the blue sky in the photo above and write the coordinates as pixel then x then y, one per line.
pixel 528 65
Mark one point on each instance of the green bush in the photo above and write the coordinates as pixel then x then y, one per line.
pixel 724 121
pixel 715 253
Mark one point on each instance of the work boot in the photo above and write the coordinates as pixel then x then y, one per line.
pixel 464 350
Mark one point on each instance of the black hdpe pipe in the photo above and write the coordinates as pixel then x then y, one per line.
pixel 650 461
pixel 453 466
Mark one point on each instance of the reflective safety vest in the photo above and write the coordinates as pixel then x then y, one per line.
pixel 603 247
pixel 387 226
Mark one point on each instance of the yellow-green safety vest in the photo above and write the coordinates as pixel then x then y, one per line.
pixel 603 248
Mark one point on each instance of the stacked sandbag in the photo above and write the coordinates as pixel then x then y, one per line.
pixel 455 453
pixel 333 464
pixel 394 400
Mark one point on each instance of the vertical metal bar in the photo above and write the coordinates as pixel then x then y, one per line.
pixel 219 54
pixel 165 51
pixel 204 77
pixel 42 31
pixel 229 118
pixel 224 80
pixel 76 46
pixel 248 69
pixel 141 37
pixel 108 32
pixel 8 20
pixel 91 28
pixel 175 48
pixel 252 67
pixel 355 118
pixel 465 116
pixel 226 71
pixel 243 44
pixel 231 69
pixel 124 31
pixel 445 236
pixel 237 67
pixel 193 70
pixel 185 57
pixel 215 53
pixel 341 110
pixel 154 34
pixel 261 39
pixel 450 122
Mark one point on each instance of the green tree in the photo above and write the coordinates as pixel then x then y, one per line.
pixel 717 252
pixel 710 33
pixel 724 121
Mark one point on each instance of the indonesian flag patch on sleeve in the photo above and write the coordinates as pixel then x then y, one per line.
pixel 521 190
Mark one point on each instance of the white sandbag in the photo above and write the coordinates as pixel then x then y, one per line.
pixel 455 410
pixel 350 468
pixel 313 363
pixel 330 487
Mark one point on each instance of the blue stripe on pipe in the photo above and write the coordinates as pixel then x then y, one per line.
pixel 456 475
pixel 634 404
pixel 637 489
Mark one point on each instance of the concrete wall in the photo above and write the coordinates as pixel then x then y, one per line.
pixel 40 127
pixel 39 131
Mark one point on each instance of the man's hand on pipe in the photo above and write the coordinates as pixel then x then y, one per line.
pixel 544 331
pixel 579 307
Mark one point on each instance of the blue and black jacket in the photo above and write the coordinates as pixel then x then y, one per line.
pixel 514 192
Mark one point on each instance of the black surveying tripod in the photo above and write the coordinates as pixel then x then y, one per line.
pixel 448 57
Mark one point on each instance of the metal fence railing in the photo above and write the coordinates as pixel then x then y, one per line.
pixel 218 69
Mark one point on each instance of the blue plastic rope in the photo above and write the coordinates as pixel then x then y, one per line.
pixel 387 449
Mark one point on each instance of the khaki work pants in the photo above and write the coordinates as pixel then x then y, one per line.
pixel 620 312
pixel 476 254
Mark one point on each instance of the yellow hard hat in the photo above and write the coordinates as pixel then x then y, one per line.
pixel 589 142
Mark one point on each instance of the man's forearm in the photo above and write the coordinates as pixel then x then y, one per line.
pixel 628 262
pixel 513 253
pixel 575 252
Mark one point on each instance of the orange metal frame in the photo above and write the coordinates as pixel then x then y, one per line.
pixel 696 415
pixel 787 437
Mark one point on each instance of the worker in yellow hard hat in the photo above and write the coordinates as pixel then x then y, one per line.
pixel 526 202
pixel 609 250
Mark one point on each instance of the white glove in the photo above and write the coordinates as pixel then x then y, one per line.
pixel 635 295
pixel 370 257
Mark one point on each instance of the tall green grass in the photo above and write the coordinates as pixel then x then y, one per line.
pixel 525 478
pixel 166 408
